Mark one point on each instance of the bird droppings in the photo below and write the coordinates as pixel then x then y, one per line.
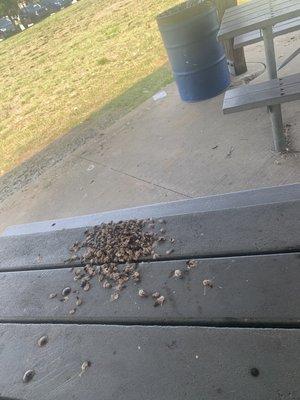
pixel 178 274
pixel 86 286
pixel 78 301
pixel 190 264
pixel 84 367
pixel 73 311
pixel 114 296
pixel 160 301
pixel 28 376
pixel 42 341
pixel 155 295
pixel 170 251
pixel 52 295
pixel 143 293
pixel 208 283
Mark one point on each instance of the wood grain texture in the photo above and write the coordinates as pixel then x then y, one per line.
pixel 240 231
pixel 275 91
pixel 254 290
pixel 259 14
pixel 149 362
pixel 282 28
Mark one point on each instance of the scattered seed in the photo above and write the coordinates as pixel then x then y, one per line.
pixel 106 285
pixel 207 283
pixel 84 367
pixel 66 291
pixel 162 230
pixel 178 273
pixel 27 377
pixel 155 295
pixel 191 264
pixel 170 251
pixel 160 301
pixel 72 311
pixel 78 302
pixel 161 239
pixel 42 341
pixel 114 296
pixel 52 295
pixel 136 276
pixel 87 286
pixel 155 256
pixel 143 293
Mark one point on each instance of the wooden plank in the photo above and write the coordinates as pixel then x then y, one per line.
pixel 240 231
pixel 257 7
pixel 245 24
pixel 141 362
pixel 256 36
pixel 247 291
pixel 263 18
pixel 262 94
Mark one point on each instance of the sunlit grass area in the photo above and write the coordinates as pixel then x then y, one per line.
pixel 60 71
pixel 57 73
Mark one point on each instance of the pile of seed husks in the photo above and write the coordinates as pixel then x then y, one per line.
pixel 111 251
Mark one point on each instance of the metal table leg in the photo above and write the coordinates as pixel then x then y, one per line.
pixel 274 111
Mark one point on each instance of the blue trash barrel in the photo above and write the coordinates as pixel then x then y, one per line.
pixel 198 61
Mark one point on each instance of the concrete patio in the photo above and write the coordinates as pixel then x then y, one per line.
pixel 167 150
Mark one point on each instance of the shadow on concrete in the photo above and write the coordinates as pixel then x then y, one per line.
pixel 32 168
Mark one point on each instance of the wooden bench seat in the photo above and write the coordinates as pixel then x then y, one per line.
pixel 275 91
pixel 281 28
pixel 237 336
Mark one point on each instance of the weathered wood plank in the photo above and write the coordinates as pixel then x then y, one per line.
pixel 254 290
pixel 210 203
pixel 149 362
pixel 244 22
pixel 262 94
pixel 241 231
pixel 256 36
pixel 273 84
pixel 257 100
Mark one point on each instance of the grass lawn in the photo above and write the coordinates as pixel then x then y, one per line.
pixel 60 71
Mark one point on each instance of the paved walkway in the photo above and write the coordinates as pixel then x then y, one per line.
pixel 166 150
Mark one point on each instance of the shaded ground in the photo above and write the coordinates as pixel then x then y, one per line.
pixel 166 150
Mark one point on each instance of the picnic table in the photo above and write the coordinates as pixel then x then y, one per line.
pixel 228 328
pixel 263 15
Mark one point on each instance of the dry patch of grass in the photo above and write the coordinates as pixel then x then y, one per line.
pixel 57 73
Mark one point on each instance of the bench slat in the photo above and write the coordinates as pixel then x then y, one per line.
pixel 241 22
pixel 273 84
pixel 141 362
pixel 239 231
pixel 262 94
pixel 256 36
pixel 253 290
